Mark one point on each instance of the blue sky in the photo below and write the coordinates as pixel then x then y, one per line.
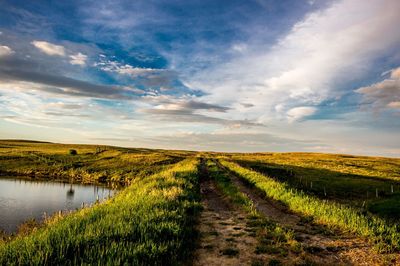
pixel 263 75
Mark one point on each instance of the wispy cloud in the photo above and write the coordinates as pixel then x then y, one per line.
pixel 298 113
pixel 314 62
pixel 78 59
pixel 123 69
pixel 49 48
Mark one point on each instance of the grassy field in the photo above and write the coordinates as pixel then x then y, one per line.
pixel 371 183
pixel 152 219
pixel 91 164
pixel 386 235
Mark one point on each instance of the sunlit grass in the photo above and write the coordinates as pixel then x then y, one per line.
pixel 369 183
pixel 150 222
pixel 271 236
pixel 385 235
pixel 91 164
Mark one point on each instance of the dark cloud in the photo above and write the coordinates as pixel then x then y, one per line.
pixel 163 79
pixel 188 116
pixel 64 85
pixel 247 105
pixel 58 114
pixel 67 106
pixel 13 69
pixel 195 105
pixel 181 110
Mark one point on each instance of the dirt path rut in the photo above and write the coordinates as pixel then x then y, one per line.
pixel 223 236
pixel 325 247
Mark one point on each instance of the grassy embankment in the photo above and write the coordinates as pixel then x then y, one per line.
pixel 149 222
pixel 91 164
pixel 371 183
pixel 385 235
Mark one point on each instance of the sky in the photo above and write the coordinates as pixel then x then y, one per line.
pixel 244 76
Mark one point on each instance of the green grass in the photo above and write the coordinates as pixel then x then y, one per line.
pixel 92 164
pixel 375 167
pixel 385 235
pixel 272 238
pixel 224 184
pixel 148 223
pixel 345 179
pixel 151 221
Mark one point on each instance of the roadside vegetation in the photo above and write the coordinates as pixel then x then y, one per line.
pixel 148 223
pixel 385 235
pixel 369 183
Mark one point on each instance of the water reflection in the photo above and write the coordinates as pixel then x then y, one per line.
pixel 21 200
pixel 70 193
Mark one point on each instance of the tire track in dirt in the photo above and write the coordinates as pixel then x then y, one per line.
pixel 325 247
pixel 225 238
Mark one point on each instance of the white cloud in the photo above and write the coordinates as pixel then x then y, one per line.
pixel 113 66
pixel 298 113
pixel 309 65
pixel 5 51
pixel 395 73
pixel 78 59
pixel 384 94
pixel 49 48
pixel 239 47
pixel 394 105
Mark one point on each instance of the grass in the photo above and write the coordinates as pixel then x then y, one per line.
pixel 152 220
pixel 375 167
pixel 91 164
pixel 385 235
pixel 148 223
pixel 345 179
pixel 272 238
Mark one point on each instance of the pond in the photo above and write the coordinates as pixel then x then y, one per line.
pixel 22 199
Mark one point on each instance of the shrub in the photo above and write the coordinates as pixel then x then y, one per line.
pixel 73 152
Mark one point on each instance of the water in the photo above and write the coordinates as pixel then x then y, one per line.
pixel 22 199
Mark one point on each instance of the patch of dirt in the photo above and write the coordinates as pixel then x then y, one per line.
pixel 322 246
pixel 225 238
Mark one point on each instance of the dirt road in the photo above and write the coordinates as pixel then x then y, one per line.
pixel 227 239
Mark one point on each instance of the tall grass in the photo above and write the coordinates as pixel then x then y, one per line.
pixel 148 223
pixel 386 236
